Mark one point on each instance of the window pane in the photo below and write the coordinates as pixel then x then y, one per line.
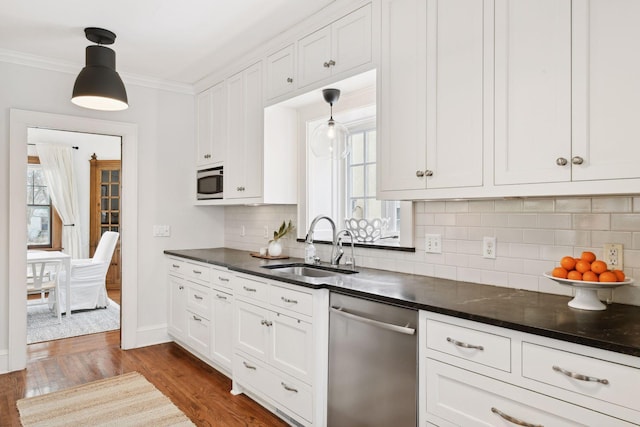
pixel 104 203
pixel 357 148
pixel 371 180
pixel 105 176
pixel 115 190
pixel 115 176
pixel 29 195
pixel 357 181
pixel 104 218
pixel 356 209
pixel 371 146
pixel 374 208
pixel 38 226
pixel 38 177
pixel 115 218
pixel 30 175
pixel 115 204
pixel 40 196
pixel 103 230
pixel 114 229
pixel 104 190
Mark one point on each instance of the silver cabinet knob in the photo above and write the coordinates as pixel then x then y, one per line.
pixel 577 160
pixel 419 174
pixel 428 173
pixel 289 80
pixel 561 161
pixel 329 63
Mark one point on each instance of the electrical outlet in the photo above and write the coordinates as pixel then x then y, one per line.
pixel 612 255
pixel 489 247
pixel 433 243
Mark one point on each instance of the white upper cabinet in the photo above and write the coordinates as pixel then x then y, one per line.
pixel 243 168
pixel 336 48
pixel 280 72
pixel 532 91
pixel 606 89
pixel 431 94
pixel 211 127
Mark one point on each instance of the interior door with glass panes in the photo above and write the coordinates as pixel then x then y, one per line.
pixel 105 211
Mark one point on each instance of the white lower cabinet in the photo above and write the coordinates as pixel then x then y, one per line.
pixel 280 347
pixel 472 374
pixel 201 311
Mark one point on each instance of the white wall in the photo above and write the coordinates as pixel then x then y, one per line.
pixel 532 236
pixel 105 147
pixel 165 173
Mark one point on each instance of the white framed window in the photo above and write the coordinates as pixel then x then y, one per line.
pixel 39 209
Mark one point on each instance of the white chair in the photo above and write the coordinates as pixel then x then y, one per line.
pixel 88 287
pixel 43 278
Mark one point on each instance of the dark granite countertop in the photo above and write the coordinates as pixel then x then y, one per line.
pixel 616 329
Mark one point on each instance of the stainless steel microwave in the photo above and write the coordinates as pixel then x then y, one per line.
pixel 210 183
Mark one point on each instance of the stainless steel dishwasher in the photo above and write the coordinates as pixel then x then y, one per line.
pixel 372 364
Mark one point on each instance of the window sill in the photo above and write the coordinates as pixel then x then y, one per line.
pixel 384 244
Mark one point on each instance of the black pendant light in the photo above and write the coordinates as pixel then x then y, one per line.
pixel 98 86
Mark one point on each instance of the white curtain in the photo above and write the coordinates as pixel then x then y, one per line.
pixel 57 166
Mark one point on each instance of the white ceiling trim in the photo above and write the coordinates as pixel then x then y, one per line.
pixel 28 60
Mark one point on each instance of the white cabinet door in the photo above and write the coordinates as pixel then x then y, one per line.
pixel 314 52
pixel 222 328
pixel 606 89
pixel 251 330
pixel 243 169
pixel 532 91
pixel 402 95
pixel 211 126
pixel 280 69
pixel 455 89
pixel 177 307
pixel 351 40
pixel 291 348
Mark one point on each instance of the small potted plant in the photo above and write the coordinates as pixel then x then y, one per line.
pixel 275 247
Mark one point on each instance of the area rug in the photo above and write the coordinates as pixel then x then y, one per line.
pixel 125 400
pixel 42 324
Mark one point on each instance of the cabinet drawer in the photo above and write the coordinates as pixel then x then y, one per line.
pixel 480 347
pixel 198 299
pixel 197 271
pixel 198 332
pixel 297 301
pixel 604 380
pixel 177 266
pixel 251 374
pixel 251 289
pixel 464 398
pixel 221 278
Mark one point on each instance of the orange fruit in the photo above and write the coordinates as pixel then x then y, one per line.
pixel 608 276
pixel 619 275
pixel 568 263
pixel 559 272
pixel 598 267
pixel 583 266
pixel 574 275
pixel 590 276
pixel 588 256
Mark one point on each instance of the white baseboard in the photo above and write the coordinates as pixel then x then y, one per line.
pixel 4 361
pixel 151 335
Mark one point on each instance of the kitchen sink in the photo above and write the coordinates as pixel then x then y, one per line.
pixel 308 271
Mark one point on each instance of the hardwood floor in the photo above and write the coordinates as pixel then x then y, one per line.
pixel 200 391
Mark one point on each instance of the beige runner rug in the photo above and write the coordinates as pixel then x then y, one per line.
pixel 125 400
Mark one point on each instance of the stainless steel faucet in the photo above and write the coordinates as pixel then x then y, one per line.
pixel 336 253
pixel 350 261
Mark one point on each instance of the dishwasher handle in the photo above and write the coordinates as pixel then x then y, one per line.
pixel 390 326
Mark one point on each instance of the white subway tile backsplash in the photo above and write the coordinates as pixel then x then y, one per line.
pixel 532 236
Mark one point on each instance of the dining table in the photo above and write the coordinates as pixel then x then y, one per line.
pixel 39 255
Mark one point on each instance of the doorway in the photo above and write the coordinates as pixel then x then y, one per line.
pixel 20 122
pixel 97 185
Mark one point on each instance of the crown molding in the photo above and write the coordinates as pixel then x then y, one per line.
pixel 29 60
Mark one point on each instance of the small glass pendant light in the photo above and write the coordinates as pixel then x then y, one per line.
pixel 331 138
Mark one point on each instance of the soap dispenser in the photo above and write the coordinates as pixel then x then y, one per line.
pixel 309 253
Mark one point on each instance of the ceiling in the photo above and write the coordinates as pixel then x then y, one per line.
pixel 173 41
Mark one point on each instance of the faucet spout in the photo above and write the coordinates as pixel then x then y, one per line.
pixel 335 255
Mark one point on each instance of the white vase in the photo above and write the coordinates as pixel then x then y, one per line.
pixel 275 248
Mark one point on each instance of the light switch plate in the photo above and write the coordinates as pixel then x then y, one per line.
pixel 161 230
pixel 433 243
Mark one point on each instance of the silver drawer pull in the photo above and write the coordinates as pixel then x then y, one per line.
pixel 580 376
pixel 198 297
pixel 249 289
pixel 197 319
pixel 464 344
pixel 287 300
pixel 286 387
pixel 223 279
pixel 221 296
pixel 266 323
pixel 514 420
pixel 175 265
pixel 246 365
pixel 197 272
